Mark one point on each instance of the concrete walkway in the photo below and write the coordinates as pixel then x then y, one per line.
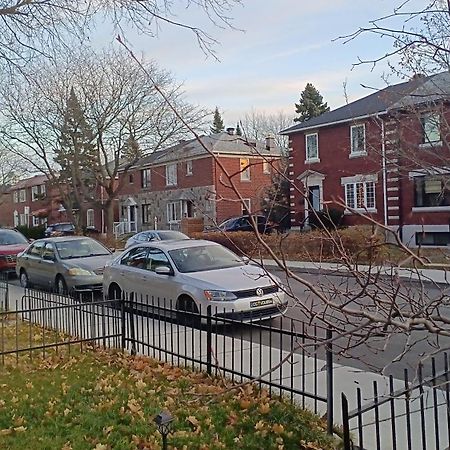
pixel 407 274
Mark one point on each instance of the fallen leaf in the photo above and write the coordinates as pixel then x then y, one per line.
pixel 264 408
pixel 277 428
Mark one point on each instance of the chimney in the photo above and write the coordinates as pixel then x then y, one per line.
pixel 230 131
pixel 270 142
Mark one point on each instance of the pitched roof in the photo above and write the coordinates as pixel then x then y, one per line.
pixel 417 90
pixel 37 180
pixel 219 144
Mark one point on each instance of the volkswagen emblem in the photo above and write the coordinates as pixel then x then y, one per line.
pixel 259 292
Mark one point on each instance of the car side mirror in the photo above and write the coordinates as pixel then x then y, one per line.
pixel 163 270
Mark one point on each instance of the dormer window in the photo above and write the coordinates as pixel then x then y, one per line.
pixel 358 140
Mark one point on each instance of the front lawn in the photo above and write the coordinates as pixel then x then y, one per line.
pixel 102 400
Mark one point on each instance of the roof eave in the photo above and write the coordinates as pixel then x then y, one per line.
pixel 336 122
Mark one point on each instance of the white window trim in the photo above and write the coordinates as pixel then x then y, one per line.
pixel 90 218
pixel 177 212
pixel 170 182
pixel 24 198
pixel 34 193
pixel 349 210
pixel 359 179
pixel 35 221
pixel 355 154
pixel 16 197
pixel 266 167
pixel 189 168
pixel 147 179
pixel 315 158
pixel 246 202
pixel 245 174
pixel 420 209
pixel 429 144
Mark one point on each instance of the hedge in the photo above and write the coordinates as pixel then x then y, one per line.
pixel 356 244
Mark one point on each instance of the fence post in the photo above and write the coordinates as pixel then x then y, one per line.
pixel 345 423
pixel 330 390
pixel 122 321
pixel 131 319
pixel 208 341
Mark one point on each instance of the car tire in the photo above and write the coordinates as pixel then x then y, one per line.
pixel 23 279
pixel 60 285
pixel 115 293
pixel 186 304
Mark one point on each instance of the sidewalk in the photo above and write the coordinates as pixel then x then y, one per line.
pixel 407 274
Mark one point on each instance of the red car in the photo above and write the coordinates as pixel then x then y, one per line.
pixel 11 243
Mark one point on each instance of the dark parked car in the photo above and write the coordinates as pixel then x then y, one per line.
pixel 60 229
pixel 11 244
pixel 243 223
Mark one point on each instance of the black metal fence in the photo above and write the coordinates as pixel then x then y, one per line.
pixel 414 412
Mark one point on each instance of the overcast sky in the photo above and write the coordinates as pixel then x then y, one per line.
pixel 284 44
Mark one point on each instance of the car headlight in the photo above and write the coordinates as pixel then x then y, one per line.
pixel 78 271
pixel 219 296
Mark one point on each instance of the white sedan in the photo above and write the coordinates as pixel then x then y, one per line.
pixel 191 275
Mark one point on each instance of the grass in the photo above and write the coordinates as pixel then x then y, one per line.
pixel 98 399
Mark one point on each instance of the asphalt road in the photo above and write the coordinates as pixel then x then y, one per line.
pixel 384 353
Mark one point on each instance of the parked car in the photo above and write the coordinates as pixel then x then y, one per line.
pixel 192 275
pixel 60 229
pixel 243 223
pixel 155 235
pixel 11 244
pixel 70 263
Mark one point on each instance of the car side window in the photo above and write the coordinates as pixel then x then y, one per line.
pixel 49 252
pixel 137 257
pixel 151 236
pixel 36 249
pixel 157 258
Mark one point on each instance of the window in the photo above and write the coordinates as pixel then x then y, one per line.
pixel 131 178
pixel 145 178
pixel 90 220
pixel 171 175
pixel 22 196
pixel 173 212
pixel 312 147
pixel 187 208
pixel 439 238
pixel 245 169
pixel 146 214
pixel 16 219
pixel 358 139
pixel 156 258
pixel 189 167
pixel 246 206
pixel 16 196
pixel 266 167
pixel 34 193
pixel 432 191
pixel 49 252
pixel 360 195
pixel 36 249
pixel 35 221
pixel 136 257
pixel 431 128
pixel 43 191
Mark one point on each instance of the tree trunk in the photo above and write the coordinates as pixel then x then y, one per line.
pixel 109 218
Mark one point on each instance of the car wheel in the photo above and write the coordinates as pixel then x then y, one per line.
pixel 187 312
pixel 61 286
pixel 23 278
pixel 115 293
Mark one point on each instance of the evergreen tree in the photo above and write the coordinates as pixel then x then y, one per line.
pixel 77 159
pixel 238 130
pixel 218 126
pixel 310 105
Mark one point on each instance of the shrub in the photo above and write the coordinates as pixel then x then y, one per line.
pixel 328 219
pixel 354 244
pixel 32 232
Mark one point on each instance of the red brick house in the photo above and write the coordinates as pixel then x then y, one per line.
pixel 186 180
pixel 30 203
pixel 386 155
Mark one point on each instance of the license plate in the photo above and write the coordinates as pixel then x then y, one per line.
pixel 264 302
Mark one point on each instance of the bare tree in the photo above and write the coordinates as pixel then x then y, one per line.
pixel 126 117
pixel 29 28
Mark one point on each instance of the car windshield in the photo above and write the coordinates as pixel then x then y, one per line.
pixel 9 237
pixel 202 258
pixel 168 235
pixel 80 248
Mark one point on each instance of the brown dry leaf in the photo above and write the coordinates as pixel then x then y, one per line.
pixel 107 430
pixel 19 421
pixel 245 403
pixel 67 411
pixel 20 429
pixel 101 447
pixel 277 428
pixel 264 408
pixel 193 421
pixel 232 419
pixel 141 384
pixel 66 446
pixel 6 431
pixel 259 425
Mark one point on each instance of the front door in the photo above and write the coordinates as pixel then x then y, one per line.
pixel 314 198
